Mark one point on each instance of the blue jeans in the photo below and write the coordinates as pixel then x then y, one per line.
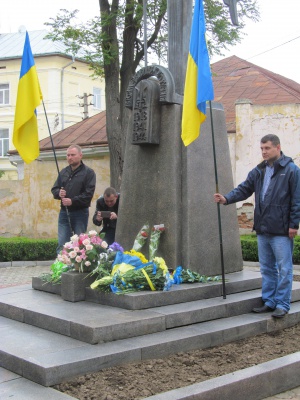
pixel 79 221
pixel 275 255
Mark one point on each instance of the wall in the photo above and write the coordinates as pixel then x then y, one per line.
pixel 27 205
pixel 252 123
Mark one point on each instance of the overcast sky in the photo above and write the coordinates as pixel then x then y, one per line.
pixel 279 27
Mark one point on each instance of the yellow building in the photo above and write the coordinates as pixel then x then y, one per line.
pixel 70 94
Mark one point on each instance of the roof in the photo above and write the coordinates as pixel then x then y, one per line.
pixel 235 78
pixel 88 132
pixel 12 45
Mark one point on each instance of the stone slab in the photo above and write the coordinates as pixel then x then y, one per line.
pixel 88 322
pixel 236 282
pixel 52 358
pixel 254 383
pixel 24 389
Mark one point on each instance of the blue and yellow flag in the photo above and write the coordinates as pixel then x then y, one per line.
pixel 198 81
pixel 25 136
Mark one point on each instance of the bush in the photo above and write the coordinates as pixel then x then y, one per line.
pixel 250 251
pixel 25 249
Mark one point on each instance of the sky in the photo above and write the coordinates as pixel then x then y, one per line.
pixel 272 43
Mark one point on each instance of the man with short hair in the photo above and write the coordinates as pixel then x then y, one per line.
pixel 276 184
pixel 106 212
pixel 74 187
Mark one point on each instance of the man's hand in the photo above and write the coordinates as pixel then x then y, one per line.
pixel 98 216
pixel 219 198
pixel 113 215
pixel 66 201
pixel 292 233
pixel 62 193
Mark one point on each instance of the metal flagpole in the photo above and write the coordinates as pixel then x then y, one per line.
pixel 53 148
pixel 218 204
pixel 145 30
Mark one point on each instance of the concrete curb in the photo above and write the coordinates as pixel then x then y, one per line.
pixel 9 264
pixel 253 383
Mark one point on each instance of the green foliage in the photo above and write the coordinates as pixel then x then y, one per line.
pixel 25 249
pixel 57 268
pixel 120 27
pixel 249 247
pixel 250 252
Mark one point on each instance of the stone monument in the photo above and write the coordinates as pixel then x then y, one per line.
pixel 165 182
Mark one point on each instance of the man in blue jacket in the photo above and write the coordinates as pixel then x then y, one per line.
pixel 276 184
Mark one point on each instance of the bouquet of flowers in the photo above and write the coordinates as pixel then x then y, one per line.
pixel 132 275
pixel 141 238
pixel 83 251
pixel 154 239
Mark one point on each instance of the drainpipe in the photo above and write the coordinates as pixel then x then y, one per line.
pixel 62 92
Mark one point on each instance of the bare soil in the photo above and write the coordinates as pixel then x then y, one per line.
pixel 142 379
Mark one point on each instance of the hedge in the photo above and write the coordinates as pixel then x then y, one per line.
pixel 250 252
pixel 25 249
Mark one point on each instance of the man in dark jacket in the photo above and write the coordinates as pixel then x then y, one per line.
pixel 107 207
pixel 74 187
pixel 276 184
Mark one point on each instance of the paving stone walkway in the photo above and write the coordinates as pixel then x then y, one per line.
pixel 13 276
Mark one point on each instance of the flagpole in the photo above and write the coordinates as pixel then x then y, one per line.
pixel 51 137
pixel 53 148
pixel 218 204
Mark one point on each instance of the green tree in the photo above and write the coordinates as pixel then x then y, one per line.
pixel 114 46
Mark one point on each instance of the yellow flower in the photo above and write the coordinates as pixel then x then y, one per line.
pixel 137 254
pixel 121 268
pixel 161 264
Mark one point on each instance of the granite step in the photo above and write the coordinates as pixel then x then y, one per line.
pixel 95 323
pixel 49 358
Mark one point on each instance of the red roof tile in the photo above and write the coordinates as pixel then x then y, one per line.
pixel 236 79
pixel 86 133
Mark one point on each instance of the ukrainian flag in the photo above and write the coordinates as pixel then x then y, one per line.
pixel 198 82
pixel 25 135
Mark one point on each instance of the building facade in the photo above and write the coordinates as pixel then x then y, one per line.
pixel 70 93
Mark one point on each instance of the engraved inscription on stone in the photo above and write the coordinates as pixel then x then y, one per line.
pixel 146 112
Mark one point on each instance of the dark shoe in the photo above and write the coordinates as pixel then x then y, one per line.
pixel 279 313
pixel 262 309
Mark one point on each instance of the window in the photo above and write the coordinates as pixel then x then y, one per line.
pixel 4 94
pixel 97 98
pixel 4 142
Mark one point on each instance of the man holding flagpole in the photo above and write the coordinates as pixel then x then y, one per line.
pixel 29 97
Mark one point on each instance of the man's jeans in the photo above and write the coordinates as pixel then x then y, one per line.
pixel 79 222
pixel 275 255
